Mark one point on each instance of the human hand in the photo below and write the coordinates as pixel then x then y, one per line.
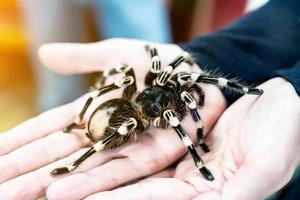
pixel 255 152
pixel 31 150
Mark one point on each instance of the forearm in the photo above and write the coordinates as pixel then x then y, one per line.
pixel 253 48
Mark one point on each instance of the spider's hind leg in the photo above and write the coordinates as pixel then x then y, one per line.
pixel 124 123
pixel 99 146
pixel 223 83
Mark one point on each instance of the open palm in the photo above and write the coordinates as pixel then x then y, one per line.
pixel 255 152
pixel 31 150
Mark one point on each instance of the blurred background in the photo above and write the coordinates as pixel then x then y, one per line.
pixel 27 88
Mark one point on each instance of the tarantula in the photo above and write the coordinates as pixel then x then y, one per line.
pixel 164 102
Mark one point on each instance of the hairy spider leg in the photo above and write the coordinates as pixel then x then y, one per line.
pixel 120 83
pixel 124 129
pixel 170 117
pixel 191 103
pixel 192 87
pixel 223 82
pixel 103 75
pixel 199 91
pixel 164 75
pixel 121 68
pixel 130 90
pixel 155 65
pixel 96 147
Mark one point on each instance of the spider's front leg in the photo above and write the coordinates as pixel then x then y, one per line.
pixel 164 75
pixel 124 82
pixel 220 82
pixel 172 119
pixel 155 75
pixel 155 65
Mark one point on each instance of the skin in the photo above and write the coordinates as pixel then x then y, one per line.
pixel 255 153
pixel 254 143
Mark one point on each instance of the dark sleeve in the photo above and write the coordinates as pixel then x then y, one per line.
pixel 255 47
pixel 292 75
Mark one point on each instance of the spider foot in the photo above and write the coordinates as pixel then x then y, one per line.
pixel 72 126
pixel 255 91
pixel 206 174
pixel 204 147
pixel 62 170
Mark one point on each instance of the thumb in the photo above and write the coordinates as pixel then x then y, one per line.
pixel 157 188
pixel 254 182
pixel 73 58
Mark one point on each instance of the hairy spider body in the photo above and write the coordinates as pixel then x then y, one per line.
pixel 156 99
pixel 164 102
pixel 148 106
pixel 113 113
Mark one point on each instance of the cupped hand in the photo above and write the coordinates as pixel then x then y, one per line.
pixel 31 150
pixel 255 150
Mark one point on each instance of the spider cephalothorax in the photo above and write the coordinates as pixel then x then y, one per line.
pixel 164 102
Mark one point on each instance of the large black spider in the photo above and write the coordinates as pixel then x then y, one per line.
pixel 163 102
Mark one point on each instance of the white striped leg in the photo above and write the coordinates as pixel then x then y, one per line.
pixel 130 90
pixel 155 61
pixel 191 103
pixel 164 76
pixel 120 83
pixel 155 65
pixel 171 118
pixel 221 82
pixel 121 68
pixel 124 129
pixel 96 147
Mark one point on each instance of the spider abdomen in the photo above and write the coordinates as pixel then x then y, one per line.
pixel 108 118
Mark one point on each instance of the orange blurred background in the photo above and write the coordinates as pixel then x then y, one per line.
pixel 17 89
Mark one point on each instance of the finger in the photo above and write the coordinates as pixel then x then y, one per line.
pixel 160 188
pixel 70 58
pixel 39 153
pixel 167 173
pixel 208 196
pixel 37 127
pixel 146 156
pixel 34 184
pixel 44 124
pixel 254 182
